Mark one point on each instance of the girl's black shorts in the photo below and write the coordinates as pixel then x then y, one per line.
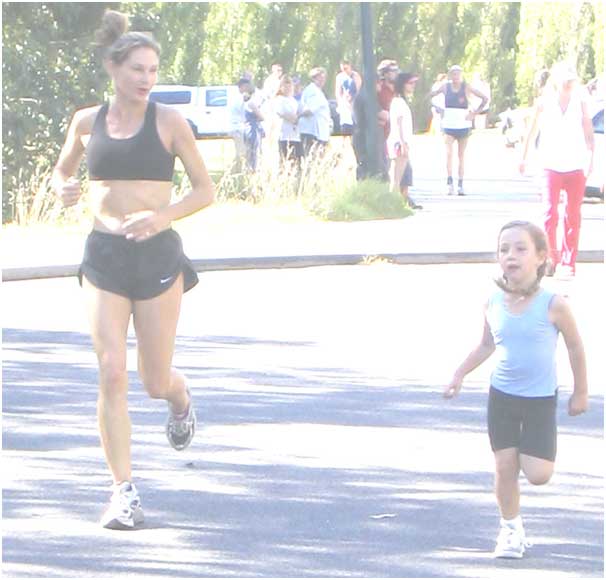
pixel 526 423
pixel 136 270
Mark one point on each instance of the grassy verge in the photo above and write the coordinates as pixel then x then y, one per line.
pixel 323 188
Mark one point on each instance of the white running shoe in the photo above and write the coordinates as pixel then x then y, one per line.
pixel 511 541
pixel 124 511
pixel 450 189
pixel 180 430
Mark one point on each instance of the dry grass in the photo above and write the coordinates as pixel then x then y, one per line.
pixel 277 192
pixel 35 204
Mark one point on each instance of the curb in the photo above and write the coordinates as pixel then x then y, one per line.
pixel 278 262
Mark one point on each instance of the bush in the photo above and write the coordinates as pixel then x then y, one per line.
pixel 325 185
pixel 365 200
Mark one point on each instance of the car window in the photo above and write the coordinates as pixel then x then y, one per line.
pixel 171 97
pixel 598 122
pixel 216 97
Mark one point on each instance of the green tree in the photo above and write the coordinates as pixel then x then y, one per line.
pixel 557 31
pixel 492 52
pixel 48 70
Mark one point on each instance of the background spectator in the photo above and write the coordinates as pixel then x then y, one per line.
pixel 347 84
pixel 286 108
pixel 314 119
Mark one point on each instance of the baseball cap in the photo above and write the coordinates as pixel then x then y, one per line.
pixel 455 68
pixel 562 72
pixel 387 65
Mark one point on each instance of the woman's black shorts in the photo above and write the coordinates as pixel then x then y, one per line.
pixel 136 270
pixel 526 423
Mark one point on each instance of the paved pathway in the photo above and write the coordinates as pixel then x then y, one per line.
pixel 324 448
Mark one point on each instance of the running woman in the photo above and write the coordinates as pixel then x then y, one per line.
pixel 522 324
pixel 457 120
pixel 133 260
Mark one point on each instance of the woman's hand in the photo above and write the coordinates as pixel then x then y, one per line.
pixel 69 192
pixel 142 225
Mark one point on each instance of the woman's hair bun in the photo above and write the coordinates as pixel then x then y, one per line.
pixel 113 26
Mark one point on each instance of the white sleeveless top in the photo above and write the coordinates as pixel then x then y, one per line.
pixel 562 143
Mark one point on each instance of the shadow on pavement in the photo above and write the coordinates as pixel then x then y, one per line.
pixel 298 470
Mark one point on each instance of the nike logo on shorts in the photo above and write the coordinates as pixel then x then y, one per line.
pixel 166 280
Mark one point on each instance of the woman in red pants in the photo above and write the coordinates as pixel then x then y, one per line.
pixel 566 150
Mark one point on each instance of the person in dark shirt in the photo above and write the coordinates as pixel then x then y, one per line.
pixel 387 71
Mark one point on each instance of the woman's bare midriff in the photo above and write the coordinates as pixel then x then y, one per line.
pixel 112 201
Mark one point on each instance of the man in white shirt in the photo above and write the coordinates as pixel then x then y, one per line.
pixel 314 120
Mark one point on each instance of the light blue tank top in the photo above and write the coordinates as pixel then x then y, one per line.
pixel 525 347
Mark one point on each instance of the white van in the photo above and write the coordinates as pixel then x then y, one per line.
pixel 207 109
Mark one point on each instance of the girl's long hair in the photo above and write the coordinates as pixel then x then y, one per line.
pixel 539 240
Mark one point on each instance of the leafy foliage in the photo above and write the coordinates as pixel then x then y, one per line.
pixel 48 71
pixel 50 67
pixel 365 200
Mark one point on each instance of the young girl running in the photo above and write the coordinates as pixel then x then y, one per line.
pixel 522 323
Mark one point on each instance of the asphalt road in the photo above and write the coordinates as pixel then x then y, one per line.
pixel 324 446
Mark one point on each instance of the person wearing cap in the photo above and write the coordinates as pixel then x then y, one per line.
pixel 566 152
pixel 457 120
pixel 400 137
pixel 314 116
pixel 386 74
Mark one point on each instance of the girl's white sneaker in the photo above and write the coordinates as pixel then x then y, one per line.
pixel 511 541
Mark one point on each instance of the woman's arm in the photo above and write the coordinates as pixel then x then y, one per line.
pixel 62 182
pixel 562 317
pixel 473 360
pixel 531 134
pixel 588 131
pixel 285 111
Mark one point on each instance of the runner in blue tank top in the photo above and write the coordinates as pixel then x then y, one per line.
pixel 522 324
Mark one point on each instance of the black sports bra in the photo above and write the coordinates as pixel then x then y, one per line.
pixel 142 156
